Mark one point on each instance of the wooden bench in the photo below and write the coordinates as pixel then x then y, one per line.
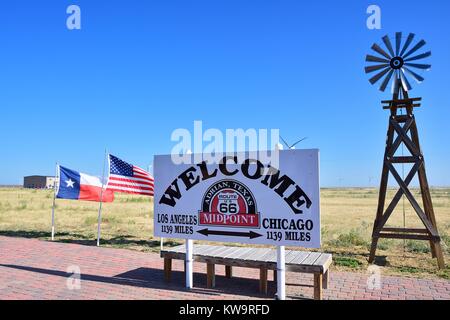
pixel 263 259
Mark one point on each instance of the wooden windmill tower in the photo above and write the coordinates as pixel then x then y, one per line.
pixel 397 64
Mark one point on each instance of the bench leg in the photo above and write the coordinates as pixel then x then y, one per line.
pixel 167 269
pixel 326 279
pixel 318 284
pixel 210 275
pixel 263 281
pixel 229 272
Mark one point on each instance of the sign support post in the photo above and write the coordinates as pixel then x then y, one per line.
pixel 189 264
pixel 189 257
pixel 101 201
pixel 281 273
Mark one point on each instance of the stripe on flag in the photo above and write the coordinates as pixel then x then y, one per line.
pixel 126 178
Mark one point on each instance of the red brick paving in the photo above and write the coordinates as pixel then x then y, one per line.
pixel 33 269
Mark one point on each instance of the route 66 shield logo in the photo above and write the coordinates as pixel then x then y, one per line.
pixel 229 203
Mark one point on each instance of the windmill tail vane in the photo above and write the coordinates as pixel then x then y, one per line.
pixel 397 60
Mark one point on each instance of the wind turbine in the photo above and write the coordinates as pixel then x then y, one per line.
pixel 292 147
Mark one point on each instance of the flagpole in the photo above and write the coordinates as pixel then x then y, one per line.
pixel 162 239
pixel 54 201
pixel 101 200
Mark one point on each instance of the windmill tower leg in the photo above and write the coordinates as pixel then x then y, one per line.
pixel 436 249
pixel 378 225
pixel 382 196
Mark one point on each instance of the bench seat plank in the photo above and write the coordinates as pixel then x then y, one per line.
pixel 234 252
pixel 220 252
pixel 255 254
pixel 311 258
pixel 239 254
pixel 300 257
pixel 198 249
pixel 211 250
pixel 229 251
pixel 290 255
pixel 324 260
pixel 178 249
pixel 271 256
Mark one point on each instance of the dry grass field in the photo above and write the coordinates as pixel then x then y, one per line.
pixel 347 217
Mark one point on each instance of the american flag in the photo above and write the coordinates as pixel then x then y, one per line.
pixel 126 178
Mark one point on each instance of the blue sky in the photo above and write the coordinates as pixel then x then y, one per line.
pixel 137 70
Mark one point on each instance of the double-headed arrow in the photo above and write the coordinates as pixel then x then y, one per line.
pixel 250 234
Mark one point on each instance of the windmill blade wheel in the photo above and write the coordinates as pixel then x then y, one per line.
pixel 397 60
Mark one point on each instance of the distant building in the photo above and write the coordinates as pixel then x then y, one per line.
pixel 39 182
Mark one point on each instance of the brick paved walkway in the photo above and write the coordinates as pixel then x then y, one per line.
pixel 33 269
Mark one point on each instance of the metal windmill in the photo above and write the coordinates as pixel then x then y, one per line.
pixel 396 65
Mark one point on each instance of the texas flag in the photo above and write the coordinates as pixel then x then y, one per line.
pixel 79 186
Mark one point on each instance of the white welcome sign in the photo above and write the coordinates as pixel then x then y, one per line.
pixel 240 199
